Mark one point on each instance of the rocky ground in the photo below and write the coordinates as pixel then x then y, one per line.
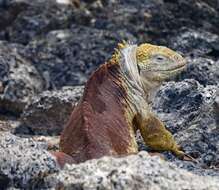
pixel 49 48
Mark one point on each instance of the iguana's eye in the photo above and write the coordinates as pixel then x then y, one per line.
pixel 160 58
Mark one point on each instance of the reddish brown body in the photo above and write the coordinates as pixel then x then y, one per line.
pixel 98 125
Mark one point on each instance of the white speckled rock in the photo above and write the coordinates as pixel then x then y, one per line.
pixel 139 171
pixel 23 162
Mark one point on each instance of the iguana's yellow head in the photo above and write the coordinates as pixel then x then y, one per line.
pixel 158 63
pixel 148 64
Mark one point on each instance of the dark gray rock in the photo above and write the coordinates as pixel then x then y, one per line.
pixel 18 78
pixel 202 51
pixel 48 113
pixel 36 18
pixel 216 107
pixel 204 70
pixel 139 171
pixel 24 163
pixel 196 43
pixel 68 57
pixel 188 110
pixel 8 13
pixel 154 20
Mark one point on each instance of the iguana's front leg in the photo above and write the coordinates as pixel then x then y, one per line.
pixel 156 136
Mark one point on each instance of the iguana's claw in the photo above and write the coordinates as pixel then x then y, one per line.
pixel 189 158
pixel 178 151
pixel 186 157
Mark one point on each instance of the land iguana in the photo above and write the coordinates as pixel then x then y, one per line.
pixel 115 105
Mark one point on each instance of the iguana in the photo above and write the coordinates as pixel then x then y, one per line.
pixel 115 105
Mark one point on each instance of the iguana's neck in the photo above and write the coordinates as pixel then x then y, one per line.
pixel 118 80
pixel 128 75
pixel 141 87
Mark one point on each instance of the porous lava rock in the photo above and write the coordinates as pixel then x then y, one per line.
pixel 66 58
pixel 48 113
pixel 24 163
pixel 188 110
pixel 19 79
pixel 139 171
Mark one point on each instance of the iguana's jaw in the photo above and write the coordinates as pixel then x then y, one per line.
pixel 169 73
pixel 152 79
pixel 178 67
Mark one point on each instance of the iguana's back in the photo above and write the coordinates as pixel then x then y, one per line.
pixel 98 125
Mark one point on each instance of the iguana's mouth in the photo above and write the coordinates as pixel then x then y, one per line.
pixel 176 69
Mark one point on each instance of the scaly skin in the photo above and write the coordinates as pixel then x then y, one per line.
pixel 115 104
